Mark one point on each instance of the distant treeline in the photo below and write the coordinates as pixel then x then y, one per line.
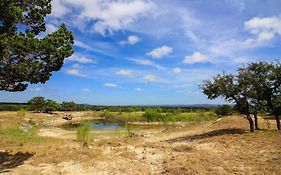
pixel 40 104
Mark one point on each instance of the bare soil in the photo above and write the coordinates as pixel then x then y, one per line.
pixel 219 147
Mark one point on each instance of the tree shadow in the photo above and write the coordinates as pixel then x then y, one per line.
pixel 213 133
pixel 9 160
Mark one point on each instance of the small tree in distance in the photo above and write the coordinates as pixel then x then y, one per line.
pixel 224 110
pixel 37 104
pixel 50 106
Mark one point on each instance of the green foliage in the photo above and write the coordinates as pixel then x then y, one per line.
pixel 21 113
pixel 127 133
pixel 82 134
pixel 68 106
pixel 24 57
pixel 12 106
pixel 128 130
pixel 152 116
pixel 256 87
pixel 224 110
pixel 17 134
pixel 37 103
pixel 50 106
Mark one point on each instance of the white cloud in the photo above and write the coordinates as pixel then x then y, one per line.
pixel 177 70
pixel 80 59
pixel 111 85
pixel 133 39
pixel 264 28
pixel 160 52
pixel 125 72
pixel 51 28
pixel 59 9
pixel 75 72
pixel 150 78
pixel 77 66
pixel 139 89
pixel 147 63
pixel 109 15
pixel 82 45
pixel 86 90
pixel 197 57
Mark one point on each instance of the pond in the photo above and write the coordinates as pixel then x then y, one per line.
pixel 102 125
pixel 97 125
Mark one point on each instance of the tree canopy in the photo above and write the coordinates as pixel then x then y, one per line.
pixel 24 57
pixel 256 87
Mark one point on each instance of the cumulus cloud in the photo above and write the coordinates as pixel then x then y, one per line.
pixel 197 57
pixel 264 28
pixel 177 70
pixel 109 15
pixel 75 72
pixel 150 78
pixel 133 39
pixel 59 8
pixel 80 59
pixel 125 72
pixel 160 52
pixel 111 85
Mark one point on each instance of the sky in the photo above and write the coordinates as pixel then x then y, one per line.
pixel 155 52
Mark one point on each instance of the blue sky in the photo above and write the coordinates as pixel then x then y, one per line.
pixel 155 52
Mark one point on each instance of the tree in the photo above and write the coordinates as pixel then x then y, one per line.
pixel 68 106
pixel 228 87
pixel 224 110
pixel 50 106
pixel 25 58
pixel 37 104
pixel 265 80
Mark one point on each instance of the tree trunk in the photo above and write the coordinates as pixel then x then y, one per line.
pixel 251 122
pixel 256 121
pixel 277 122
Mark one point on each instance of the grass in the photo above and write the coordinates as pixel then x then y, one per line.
pixel 18 135
pixel 21 113
pixel 82 134
pixel 151 116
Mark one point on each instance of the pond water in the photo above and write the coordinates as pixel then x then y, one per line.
pixel 103 125
pixel 97 125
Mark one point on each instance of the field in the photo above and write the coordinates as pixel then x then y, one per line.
pixel 36 144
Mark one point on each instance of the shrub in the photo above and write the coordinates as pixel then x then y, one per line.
pixel 82 134
pixel 152 116
pixel 224 110
pixel 21 113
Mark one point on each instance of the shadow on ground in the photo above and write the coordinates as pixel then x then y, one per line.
pixel 9 160
pixel 213 133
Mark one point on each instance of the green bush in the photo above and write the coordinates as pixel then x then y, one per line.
pixel 82 134
pixel 21 113
pixel 153 116
pixel 224 110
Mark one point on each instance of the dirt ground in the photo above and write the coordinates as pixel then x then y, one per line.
pixel 219 147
